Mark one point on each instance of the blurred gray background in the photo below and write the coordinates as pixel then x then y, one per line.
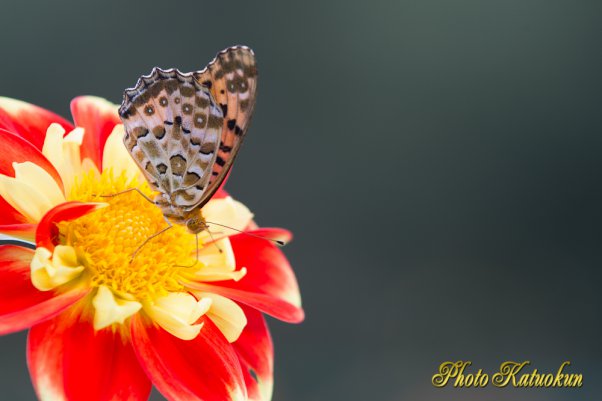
pixel 438 161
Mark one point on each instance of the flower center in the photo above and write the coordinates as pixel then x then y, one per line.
pixel 107 239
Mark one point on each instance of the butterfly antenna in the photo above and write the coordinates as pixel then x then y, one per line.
pixel 169 225
pixel 126 191
pixel 277 242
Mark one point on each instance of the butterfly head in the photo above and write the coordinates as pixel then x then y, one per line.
pixel 195 221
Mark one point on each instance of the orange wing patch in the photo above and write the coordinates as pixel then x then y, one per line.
pixel 232 80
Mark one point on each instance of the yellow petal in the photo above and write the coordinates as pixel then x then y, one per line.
pixel 177 312
pixel 109 310
pixel 72 164
pixel 53 144
pixel 237 395
pixel 216 265
pixel 28 200
pixel 64 153
pixel 116 156
pixel 76 136
pixel 50 270
pixel 226 314
pixel 225 212
pixel 218 254
pixel 39 178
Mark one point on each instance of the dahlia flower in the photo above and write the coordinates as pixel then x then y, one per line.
pixel 184 315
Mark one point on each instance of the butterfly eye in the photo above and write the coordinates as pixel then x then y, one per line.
pixel 231 86
pixel 242 86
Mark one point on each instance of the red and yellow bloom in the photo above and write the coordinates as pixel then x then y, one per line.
pixel 104 326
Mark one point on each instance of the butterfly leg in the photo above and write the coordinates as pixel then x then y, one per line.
pixel 212 239
pixel 169 225
pixel 129 190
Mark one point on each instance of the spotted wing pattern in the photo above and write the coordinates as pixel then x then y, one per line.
pixel 232 79
pixel 173 131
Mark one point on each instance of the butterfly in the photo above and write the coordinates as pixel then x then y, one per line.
pixel 184 130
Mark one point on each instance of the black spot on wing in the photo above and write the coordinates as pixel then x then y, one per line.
pixel 162 168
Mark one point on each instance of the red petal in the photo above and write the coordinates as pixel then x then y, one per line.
pixel 256 355
pixel 26 232
pixel 269 284
pixel 68 360
pixel 98 118
pixel 17 149
pixel 205 368
pixel 6 122
pixel 21 304
pixel 30 122
pixel 47 233
pixel 10 215
pixel 220 193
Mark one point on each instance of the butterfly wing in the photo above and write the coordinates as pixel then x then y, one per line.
pixel 173 131
pixel 232 79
